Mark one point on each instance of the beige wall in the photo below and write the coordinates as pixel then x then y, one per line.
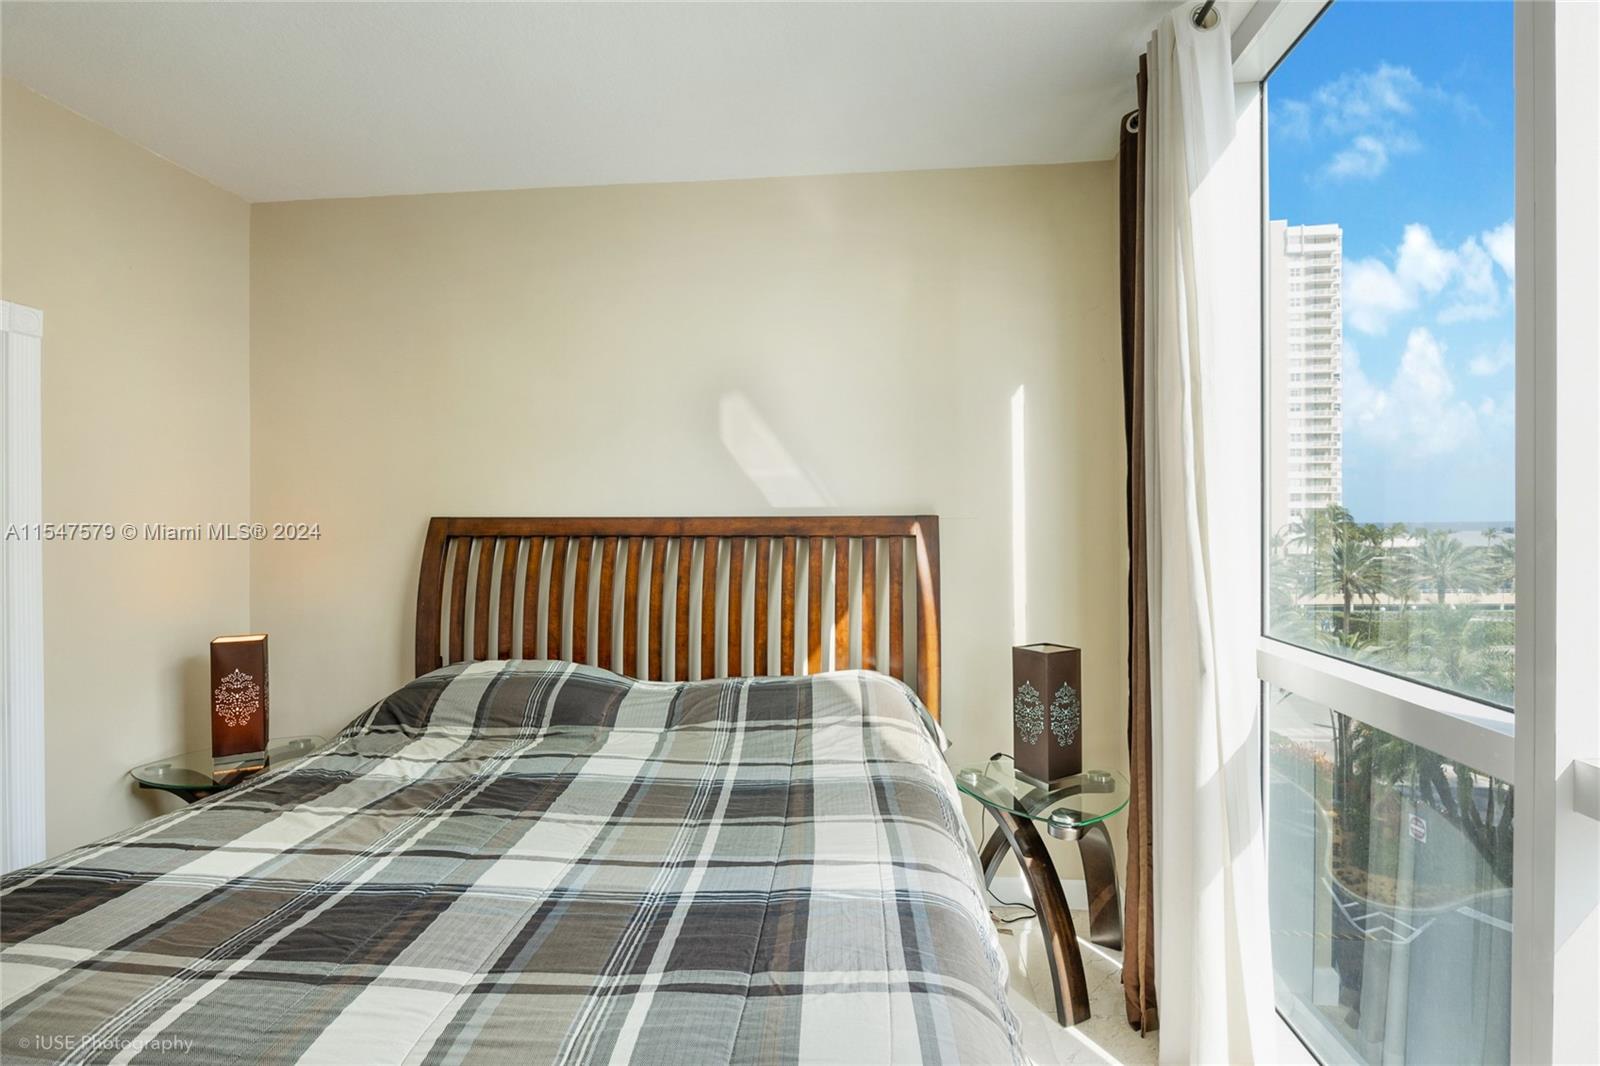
pixel 364 364
pixel 142 271
pixel 568 351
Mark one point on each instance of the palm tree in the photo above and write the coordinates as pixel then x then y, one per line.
pixel 1402 579
pixel 1312 531
pixel 1351 567
pixel 1367 758
pixel 1500 546
pixel 1401 584
pixel 1491 836
pixel 1356 645
pixel 1371 532
pixel 1286 586
pixel 1466 651
pixel 1447 564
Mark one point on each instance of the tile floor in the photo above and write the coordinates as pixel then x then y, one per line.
pixel 1105 1037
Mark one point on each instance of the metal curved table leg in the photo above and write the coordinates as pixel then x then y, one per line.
pixel 1100 879
pixel 1055 920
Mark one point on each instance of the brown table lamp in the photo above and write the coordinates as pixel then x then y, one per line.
pixel 1047 711
pixel 239 695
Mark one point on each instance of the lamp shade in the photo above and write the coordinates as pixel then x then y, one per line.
pixel 1047 711
pixel 239 695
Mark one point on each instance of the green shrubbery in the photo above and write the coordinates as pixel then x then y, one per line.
pixel 1417 602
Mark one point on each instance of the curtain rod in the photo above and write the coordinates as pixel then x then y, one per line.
pixel 1204 18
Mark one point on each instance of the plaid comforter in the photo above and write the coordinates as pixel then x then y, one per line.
pixel 537 862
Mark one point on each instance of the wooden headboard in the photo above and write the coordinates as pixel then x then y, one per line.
pixel 686 598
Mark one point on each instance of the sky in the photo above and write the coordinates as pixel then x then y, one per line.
pixel 1395 120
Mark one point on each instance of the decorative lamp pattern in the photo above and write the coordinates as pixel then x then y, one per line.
pixel 1029 711
pixel 239 703
pixel 1066 715
pixel 238 698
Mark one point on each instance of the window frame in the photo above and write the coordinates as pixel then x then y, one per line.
pixel 1458 727
pixel 1556 859
pixel 1556 752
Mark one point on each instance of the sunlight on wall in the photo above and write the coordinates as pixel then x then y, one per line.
pixel 1019 519
pixel 763 458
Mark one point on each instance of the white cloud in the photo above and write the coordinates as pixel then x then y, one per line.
pixel 1499 413
pixel 1416 414
pixel 1476 269
pixel 1359 100
pixel 1421 263
pixel 1502 245
pixel 1292 118
pixel 1369 107
pixel 1371 112
pixel 1477 294
pixel 1464 277
pixel 1367 157
pixel 1488 363
pixel 1373 294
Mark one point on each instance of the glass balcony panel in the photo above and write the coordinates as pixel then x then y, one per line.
pixel 1390 893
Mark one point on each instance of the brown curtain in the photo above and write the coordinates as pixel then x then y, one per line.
pixel 1138 959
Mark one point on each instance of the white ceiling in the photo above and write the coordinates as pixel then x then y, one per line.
pixel 294 101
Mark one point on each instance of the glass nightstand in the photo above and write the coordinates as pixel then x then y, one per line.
pixel 1066 809
pixel 196 774
pixel 1073 808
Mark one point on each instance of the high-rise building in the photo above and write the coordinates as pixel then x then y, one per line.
pixel 1305 370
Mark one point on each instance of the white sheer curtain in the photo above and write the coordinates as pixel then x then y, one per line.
pixel 1213 956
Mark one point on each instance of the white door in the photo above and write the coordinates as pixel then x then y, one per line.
pixel 22 839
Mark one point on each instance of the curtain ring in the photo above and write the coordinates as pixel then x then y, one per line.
pixel 1131 122
pixel 1205 16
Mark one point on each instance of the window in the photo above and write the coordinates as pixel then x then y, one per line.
pixel 1391 892
pixel 1389 650
pixel 1390 140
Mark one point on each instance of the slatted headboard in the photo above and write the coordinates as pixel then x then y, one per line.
pixel 686 598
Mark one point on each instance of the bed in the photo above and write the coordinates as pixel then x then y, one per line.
pixel 664 790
